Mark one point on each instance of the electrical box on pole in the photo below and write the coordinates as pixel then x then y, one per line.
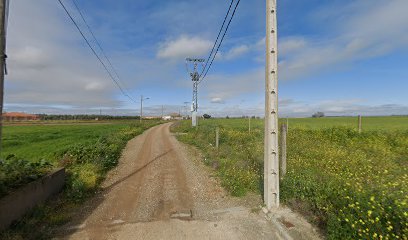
pixel 271 154
pixel 195 77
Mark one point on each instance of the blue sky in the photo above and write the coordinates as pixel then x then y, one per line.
pixel 339 57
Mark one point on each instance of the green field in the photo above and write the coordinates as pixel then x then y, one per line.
pixel 44 142
pixel 86 150
pixel 353 186
pixel 368 123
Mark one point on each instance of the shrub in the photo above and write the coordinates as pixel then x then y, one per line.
pixel 15 172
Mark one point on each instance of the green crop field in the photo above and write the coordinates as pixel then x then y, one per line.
pixel 86 150
pixel 368 123
pixel 352 185
pixel 44 142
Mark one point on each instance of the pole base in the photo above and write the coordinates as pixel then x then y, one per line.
pixel 194 119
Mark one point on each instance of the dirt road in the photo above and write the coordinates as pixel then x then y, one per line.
pixel 159 191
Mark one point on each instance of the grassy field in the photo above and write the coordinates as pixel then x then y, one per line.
pixel 353 186
pixel 87 152
pixel 368 123
pixel 45 142
pixel 26 149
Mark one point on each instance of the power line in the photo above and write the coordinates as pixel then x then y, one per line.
pixel 218 36
pixel 94 52
pixel 97 42
pixel 222 39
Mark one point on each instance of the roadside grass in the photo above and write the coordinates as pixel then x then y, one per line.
pixel 87 152
pixel 353 186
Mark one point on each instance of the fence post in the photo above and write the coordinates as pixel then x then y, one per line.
pixel 249 124
pixel 359 124
pixel 283 145
pixel 217 137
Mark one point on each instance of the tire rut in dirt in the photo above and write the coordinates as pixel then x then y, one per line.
pixel 175 196
pixel 122 195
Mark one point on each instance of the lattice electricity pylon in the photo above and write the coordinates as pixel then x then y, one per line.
pixel 195 77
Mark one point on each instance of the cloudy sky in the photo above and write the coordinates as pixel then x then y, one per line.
pixel 341 57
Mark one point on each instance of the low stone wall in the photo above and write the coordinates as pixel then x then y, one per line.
pixel 17 204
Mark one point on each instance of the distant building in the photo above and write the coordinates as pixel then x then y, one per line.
pixel 16 116
pixel 172 116
pixel 151 117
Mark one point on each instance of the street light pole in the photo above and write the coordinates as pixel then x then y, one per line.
pixel 141 107
pixel 185 109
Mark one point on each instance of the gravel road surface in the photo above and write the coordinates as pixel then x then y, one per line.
pixel 161 190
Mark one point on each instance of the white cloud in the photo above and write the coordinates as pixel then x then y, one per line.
pixel 217 100
pixel 289 45
pixel 183 47
pixel 228 86
pixel 340 107
pixel 260 45
pixel 48 63
pixel 237 52
pixel 366 31
pixel 92 86
pixel 30 57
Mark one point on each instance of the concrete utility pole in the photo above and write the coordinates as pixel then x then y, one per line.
pixel 195 77
pixel 3 7
pixel 271 154
pixel 141 107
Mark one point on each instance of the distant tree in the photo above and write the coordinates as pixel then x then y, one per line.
pixel 206 116
pixel 318 115
pixel 227 117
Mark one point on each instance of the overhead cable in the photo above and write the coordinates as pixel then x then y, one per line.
pixel 94 52
pixel 97 42
pixel 218 36
pixel 222 39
